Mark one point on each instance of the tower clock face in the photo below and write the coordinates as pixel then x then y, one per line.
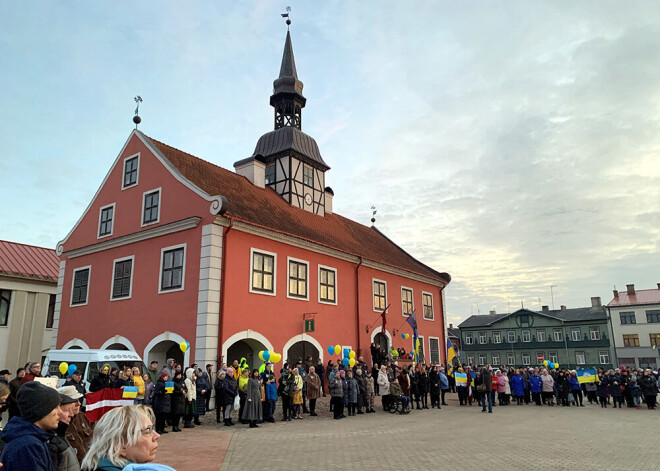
pixel 308 198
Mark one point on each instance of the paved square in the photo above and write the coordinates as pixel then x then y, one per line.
pixel 512 437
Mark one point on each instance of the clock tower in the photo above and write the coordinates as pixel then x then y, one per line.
pixel 291 161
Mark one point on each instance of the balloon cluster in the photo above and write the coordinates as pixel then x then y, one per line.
pixel 405 336
pixel 267 355
pixel 551 365
pixel 67 369
pixel 348 354
pixel 184 346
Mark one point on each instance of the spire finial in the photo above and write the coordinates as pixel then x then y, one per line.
pixel 136 119
pixel 373 215
pixel 288 19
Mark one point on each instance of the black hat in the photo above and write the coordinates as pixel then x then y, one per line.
pixel 77 372
pixel 36 401
pixel 4 372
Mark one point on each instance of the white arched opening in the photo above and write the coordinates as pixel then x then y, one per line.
pixel 75 343
pixel 302 338
pixel 244 335
pixel 120 340
pixel 156 348
pixel 374 334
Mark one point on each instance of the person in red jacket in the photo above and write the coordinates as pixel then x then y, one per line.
pixel 34 371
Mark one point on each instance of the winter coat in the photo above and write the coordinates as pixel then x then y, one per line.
pixel 313 386
pixel 614 382
pixel 518 385
pixel 536 383
pixel 62 454
pixel 149 393
pixel 434 383
pixel 229 390
pixel 80 387
pixel 422 383
pixel 26 447
pixel 502 382
pixel 178 398
pixel 404 382
pixel 562 383
pixel 201 396
pixel 395 390
pixel 345 391
pixel 635 389
pixel 154 375
pixel 414 384
pixel 190 385
pixel 271 391
pixel 139 382
pixel 99 382
pixel 161 400
pixel 369 386
pixel 649 385
pixel 286 383
pixel 219 399
pixel 79 434
pixel 362 391
pixel 574 384
pixel 336 387
pixel 444 381
pixel 253 409
pixel 487 379
pixel 548 384
pixel 14 384
pixel 383 383
pixel 601 386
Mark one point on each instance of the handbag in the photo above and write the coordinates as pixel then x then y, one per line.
pixel 237 402
pixel 481 388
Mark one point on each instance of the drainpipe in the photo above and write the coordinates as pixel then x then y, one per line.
pixel 357 304
pixel 612 339
pixel 223 274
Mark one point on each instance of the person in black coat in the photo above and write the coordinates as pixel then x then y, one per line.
pixel 162 403
pixel 434 387
pixel 320 370
pixel 229 392
pixel 649 388
pixel 423 387
pixel 77 382
pixel 219 396
pixel 562 388
pixel 101 380
pixel 178 403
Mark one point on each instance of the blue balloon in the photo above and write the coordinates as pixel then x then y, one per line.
pixel 266 355
pixel 345 361
pixel 346 352
pixel 72 369
pixel 403 336
pixel 412 353
pixel 331 349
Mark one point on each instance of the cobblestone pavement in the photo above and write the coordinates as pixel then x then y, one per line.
pixel 512 437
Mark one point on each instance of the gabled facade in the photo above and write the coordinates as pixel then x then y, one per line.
pixel 173 248
pixel 574 338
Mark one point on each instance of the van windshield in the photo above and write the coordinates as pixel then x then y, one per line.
pixel 95 367
pixel 54 368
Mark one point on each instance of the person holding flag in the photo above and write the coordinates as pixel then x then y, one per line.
pixel 451 355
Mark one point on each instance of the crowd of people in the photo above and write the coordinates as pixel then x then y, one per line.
pixel 48 429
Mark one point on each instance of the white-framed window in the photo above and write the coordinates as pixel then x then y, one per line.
pixel 131 172
pixel 308 176
pixel 106 219
pixel 5 304
pixel 604 357
pixel 511 336
pixel 468 338
pixel 580 358
pixel 497 337
pixel 542 357
pixel 151 203
pixel 434 349
pixel 421 353
pixel 427 303
pixel 470 359
pixel 496 359
pixel 172 269
pixel 510 359
pixel 558 335
pixel 406 301
pixel 269 174
pixel 526 336
pixel 122 278
pixel 298 279
pixel 482 359
pixel 263 279
pixel 380 294
pixel 80 286
pixel 482 338
pixel 327 285
pixel 526 360
pixel 552 357
pixel 594 333
pixel 540 335
pixel 576 334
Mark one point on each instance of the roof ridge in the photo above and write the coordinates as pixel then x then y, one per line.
pixel 189 154
pixel 26 245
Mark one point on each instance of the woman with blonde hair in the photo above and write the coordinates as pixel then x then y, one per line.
pixel 138 381
pixel 124 436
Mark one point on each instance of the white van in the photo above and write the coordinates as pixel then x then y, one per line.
pixel 89 362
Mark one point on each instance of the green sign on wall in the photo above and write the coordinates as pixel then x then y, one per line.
pixel 309 325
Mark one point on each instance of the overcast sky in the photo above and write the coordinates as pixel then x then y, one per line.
pixel 513 144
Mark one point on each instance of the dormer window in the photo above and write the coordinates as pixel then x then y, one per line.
pixel 308 176
pixel 270 174
pixel 131 168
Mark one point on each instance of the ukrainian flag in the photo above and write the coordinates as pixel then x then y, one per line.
pixel 130 392
pixel 586 376
pixel 461 379
pixel 169 387
pixel 451 354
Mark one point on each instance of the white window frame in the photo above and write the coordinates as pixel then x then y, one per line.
pixel 430 350
pixel 541 331
pixel 496 356
pixel 319 285
pixel 485 338
pixel 272 254
pixel 554 335
pixel 579 332
pixel 510 359
pixel 288 279
pixel 537 357
pixel 529 336
pixel 89 282
pixel 594 330
pixel 508 336
pixel 601 354
pixel 160 205
pixel 123 172
pixel 412 299
pixel 470 359
pixel 577 358
pixel 468 338
pixel 112 226
pixel 432 318
pixel 112 276
pixel 526 359
pixel 483 359
pixel 373 294
pixel 421 346
pixel 497 340
pixel 183 274
pixel 552 357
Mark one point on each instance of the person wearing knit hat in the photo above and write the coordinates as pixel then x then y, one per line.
pixel 79 431
pixel 26 437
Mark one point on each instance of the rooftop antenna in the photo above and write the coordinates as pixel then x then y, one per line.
pixel 552 295
pixel 136 119
pixel 373 215
pixel 286 15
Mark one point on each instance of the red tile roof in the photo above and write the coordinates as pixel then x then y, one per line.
pixel 28 261
pixel 641 296
pixel 265 208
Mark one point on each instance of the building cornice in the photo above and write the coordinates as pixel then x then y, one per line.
pixel 177 226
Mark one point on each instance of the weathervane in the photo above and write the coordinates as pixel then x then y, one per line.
pixel 136 119
pixel 286 15
pixel 373 215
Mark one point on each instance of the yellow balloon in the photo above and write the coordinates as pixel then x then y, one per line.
pixel 351 362
pixel 407 336
pixel 337 349
pixel 351 354
pixel 556 366
pixel 275 357
pixel 64 367
pixel 183 346
pixel 261 355
pixel 545 362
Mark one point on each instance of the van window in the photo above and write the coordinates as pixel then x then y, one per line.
pixel 54 369
pixel 95 367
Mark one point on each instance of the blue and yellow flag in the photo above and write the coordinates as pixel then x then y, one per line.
pixel 130 392
pixel 461 379
pixel 169 387
pixel 451 354
pixel 586 376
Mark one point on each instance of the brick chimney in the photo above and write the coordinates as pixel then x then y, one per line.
pixel 631 289
pixel 658 285
pixel 451 326
pixel 545 308
pixel 616 293
pixel 595 303
pixel 492 312
pixel 563 308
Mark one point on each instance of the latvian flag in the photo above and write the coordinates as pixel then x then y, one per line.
pixel 100 402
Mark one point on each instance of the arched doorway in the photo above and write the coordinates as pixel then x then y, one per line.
pixel 75 347
pixel 304 350
pixel 164 346
pixel 248 349
pixel 116 346
pixel 383 344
